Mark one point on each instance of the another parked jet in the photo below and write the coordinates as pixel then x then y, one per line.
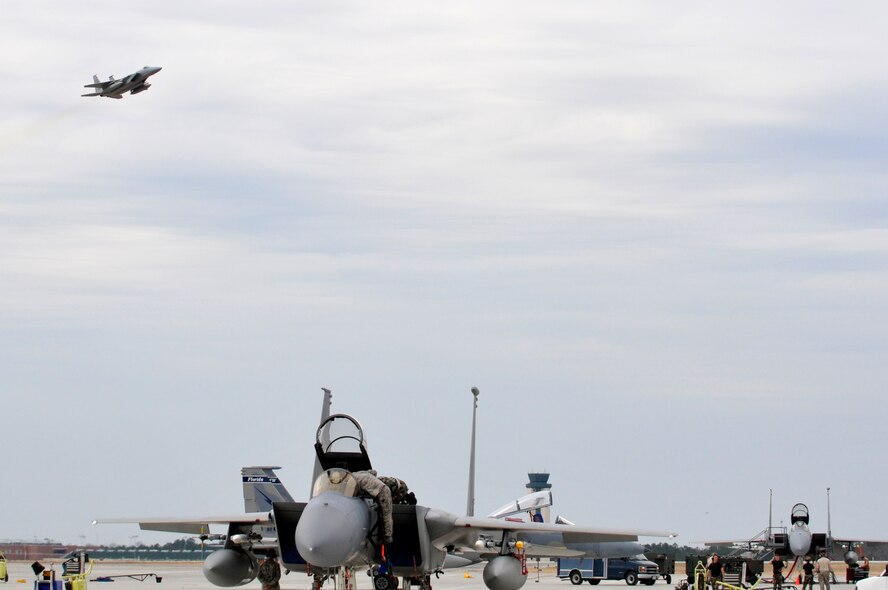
pixel 337 532
pixel 134 84
pixel 798 540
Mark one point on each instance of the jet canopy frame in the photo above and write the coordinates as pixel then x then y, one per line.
pixel 340 443
pixel 799 514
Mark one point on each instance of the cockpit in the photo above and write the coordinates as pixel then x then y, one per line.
pixel 335 480
pixel 799 514
pixel 340 443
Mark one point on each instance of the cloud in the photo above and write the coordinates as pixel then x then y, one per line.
pixel 625 222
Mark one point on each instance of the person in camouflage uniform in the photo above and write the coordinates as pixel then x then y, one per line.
pixel 370 484
pixel 270 572
pixel 398 487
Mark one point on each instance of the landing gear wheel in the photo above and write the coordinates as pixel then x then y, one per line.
pixel 384 582
pixel 575 578
pixel 668 579
pixel 594 581
pixel 631 578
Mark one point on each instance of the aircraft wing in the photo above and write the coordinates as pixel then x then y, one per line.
pixel 857 540
pixel 541 539
pixel 578 534
pixel 190 526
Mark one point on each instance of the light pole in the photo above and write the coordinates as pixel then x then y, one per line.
pixel 470 501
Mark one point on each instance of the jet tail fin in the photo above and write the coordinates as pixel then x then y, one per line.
pixel 95 84
pixel 262 487
pixel 325 413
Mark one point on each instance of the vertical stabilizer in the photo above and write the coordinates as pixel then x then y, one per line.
pixel 96 79
pixel 325 413
pixel 262 487
pixel 470 500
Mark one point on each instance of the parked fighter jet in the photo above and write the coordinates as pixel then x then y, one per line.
pixel 134 84
pixel 338 531
pixel 798 540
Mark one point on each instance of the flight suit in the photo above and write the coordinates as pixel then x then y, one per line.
pixel 374 487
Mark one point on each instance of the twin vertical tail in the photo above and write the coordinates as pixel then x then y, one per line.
pixel 325 413
pixel 262 487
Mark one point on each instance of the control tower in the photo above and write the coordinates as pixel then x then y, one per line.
pixel 539 482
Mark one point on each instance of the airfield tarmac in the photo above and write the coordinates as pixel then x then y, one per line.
pixel 188 576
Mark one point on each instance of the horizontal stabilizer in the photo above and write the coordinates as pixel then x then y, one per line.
pixel 192 526
pixel 96 85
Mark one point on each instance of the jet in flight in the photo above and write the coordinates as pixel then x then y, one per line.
pixel 134 84
pixel 338 531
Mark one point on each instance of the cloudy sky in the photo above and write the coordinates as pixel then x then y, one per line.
pixel 655 235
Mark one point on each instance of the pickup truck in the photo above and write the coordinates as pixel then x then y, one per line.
pixel 630 569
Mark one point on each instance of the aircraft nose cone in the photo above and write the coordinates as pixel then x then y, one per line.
pixel 331 530
pixel 799 539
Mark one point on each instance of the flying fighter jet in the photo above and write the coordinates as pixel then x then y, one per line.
pixel 338 531
pixel 134 84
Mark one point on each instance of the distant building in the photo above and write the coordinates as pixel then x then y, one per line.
pixel 22 551
pixel 537 483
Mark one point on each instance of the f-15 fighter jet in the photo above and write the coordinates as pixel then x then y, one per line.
pixel 134 84
pixel 338 530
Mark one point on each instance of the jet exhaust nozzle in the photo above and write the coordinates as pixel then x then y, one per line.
pixel 504 573
pixel 230 567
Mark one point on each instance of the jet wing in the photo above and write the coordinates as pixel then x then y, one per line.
pixel 190 526
pixel 541 539
pixel 856 540
pixel 577 534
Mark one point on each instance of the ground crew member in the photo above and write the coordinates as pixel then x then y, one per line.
pixel 808 574
pixel 397 487
pixel 715 569
pixel 823 570
pixel 270 572
pixel 777 565
pixel 374 487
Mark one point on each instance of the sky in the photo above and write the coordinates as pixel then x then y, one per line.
pixel 654 235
